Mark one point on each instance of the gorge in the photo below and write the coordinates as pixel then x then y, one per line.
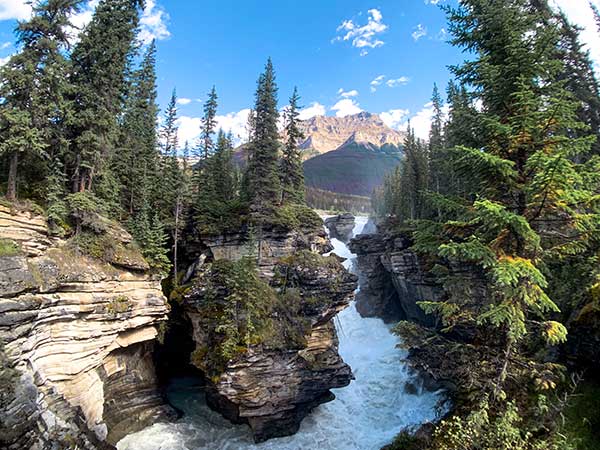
pixel 385 398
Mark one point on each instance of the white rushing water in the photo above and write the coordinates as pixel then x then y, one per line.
pixel 382 401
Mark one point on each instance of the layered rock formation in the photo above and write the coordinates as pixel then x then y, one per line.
pixel 341 227
pixel 76 336
pixel 272 245
pixel 393 280
pixel 267 344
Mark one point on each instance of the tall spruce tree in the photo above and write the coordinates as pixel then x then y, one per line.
pixel 262 181
pixel 437 152
pixel 209 122
pixel 136 160
pixel 292 172
pixel 34 92
pixel 100 62
pixel 531 205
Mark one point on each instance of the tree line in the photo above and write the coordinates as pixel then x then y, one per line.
pixel 79 136
pixel 502 204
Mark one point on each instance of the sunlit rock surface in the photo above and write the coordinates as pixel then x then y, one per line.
pixel 76 337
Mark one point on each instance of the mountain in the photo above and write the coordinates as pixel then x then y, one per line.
pixel 350 155
pixel 324 134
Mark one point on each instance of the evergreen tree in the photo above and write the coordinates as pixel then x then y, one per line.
pixel 208 124
pixel 34 90
pixel 100 62
pixel 437 152
pixel 136 161
pixel 532 204
pixel 292 171
pixel 414 179
pixel 262 184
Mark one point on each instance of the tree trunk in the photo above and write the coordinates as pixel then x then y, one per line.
pixel 11 189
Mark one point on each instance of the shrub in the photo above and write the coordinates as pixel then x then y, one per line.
pixel 8 247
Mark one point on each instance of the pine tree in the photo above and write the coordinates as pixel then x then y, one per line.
pixel 531 204
pixel 136 161
pixel 34 90
pixel 100 62
pixel 437 152
pixel 208 124
pixel 415 177
pixel 292 171
pixel 262 181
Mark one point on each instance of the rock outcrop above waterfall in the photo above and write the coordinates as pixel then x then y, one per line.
pixel 341 226
pixel 393 279
pixel 76 337
pixel 268 346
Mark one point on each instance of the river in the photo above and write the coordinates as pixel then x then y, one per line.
pixel 384 399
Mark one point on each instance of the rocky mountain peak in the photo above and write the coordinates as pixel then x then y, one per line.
pixel 325 134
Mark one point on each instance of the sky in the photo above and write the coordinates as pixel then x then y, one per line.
pixel 345 56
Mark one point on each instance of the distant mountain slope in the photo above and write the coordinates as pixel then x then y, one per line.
pixel 354 168
pixel 350 155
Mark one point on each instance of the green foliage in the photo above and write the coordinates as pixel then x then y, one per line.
pixel 100 62
pixel 582 417
pixel 8 247
pixel 293 216
pixel 485 429
pixel 237 308
pixel 263 187
pixel 149 233
pixel 292 171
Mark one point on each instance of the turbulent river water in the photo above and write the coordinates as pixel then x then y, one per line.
pixel 384 399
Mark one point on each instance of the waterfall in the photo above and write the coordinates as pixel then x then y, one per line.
pixel 383 400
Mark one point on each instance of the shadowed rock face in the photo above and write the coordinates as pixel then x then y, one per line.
pixel 293 363
pixel 393 279
pixel 76 336
pixel 341 226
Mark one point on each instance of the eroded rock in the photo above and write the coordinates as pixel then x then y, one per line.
pixel 76 335
pixel 269 347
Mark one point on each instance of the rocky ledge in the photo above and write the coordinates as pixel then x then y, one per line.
pixel 269 246
pixel 341 226
pixel 76 338
pixel 268 347
pixel 393 279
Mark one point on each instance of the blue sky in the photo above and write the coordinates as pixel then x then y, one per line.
pixel 382 56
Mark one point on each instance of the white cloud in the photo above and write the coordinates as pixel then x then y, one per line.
pixel 420 122
pixel 3 61
pixel 580 13
pixel 184 101
pixel 376 82
pixel 402 81
pixel 347 94
pixel 433 2
pixel 14 10
pixel 346 107
pixel 234 122
pixel 153 23
pixel 5 45
pixel 363 37
pixel 420 31
pixel 394 118
pixel 315 109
